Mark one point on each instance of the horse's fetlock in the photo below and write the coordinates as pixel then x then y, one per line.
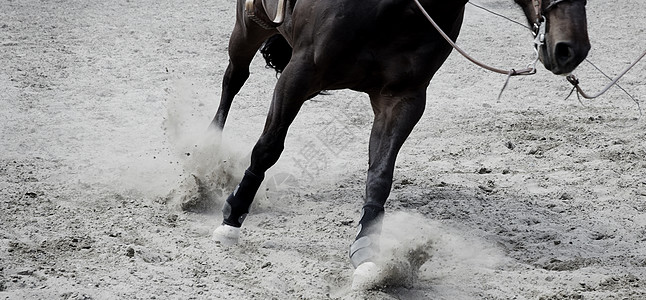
pixel 364 249
pixel 236 207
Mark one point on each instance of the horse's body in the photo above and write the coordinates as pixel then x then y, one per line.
pixel 385 48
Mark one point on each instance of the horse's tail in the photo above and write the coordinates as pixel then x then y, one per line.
pixel 277 52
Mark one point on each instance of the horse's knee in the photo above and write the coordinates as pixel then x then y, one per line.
pixel 236 75
pixel 266 153
pixel 378 187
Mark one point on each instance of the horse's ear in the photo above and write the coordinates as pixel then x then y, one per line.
pixel 277 52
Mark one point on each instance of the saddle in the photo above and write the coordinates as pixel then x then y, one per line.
pixel 256 11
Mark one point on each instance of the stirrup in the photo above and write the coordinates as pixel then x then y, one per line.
pixel 262 18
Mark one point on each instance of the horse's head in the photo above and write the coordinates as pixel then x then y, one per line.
pixel 562 33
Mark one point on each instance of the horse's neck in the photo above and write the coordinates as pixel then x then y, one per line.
pixel 528 9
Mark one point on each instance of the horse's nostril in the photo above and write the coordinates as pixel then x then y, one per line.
pixel 563 53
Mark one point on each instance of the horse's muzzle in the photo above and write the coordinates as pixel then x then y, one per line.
pixel 569 55
pixel 564 56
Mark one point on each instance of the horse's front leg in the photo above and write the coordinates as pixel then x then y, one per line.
pixel 289 95
pixel 245 40
pixel 395 118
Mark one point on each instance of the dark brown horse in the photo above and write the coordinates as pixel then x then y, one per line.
pixel 385 48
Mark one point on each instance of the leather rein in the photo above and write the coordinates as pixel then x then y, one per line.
pixel 262 19
pixel 538 31
pixel 539 39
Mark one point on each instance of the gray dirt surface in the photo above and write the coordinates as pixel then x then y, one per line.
pixel 104 107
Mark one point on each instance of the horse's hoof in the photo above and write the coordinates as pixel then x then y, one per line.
pixel 365 276
pixel 226 235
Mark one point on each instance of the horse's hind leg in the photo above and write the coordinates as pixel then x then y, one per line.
pixel 289 95
pixel 395 118
pixel 245 40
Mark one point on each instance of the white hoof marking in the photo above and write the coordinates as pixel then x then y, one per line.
pixel 365 276
pixel 226 235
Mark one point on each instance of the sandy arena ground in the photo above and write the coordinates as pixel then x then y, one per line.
pixel 104 106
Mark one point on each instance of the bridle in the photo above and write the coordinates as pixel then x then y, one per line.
pixel 539 33
pixel 539 41
pixel 540 20
pixel 540 11
pixel 539 29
